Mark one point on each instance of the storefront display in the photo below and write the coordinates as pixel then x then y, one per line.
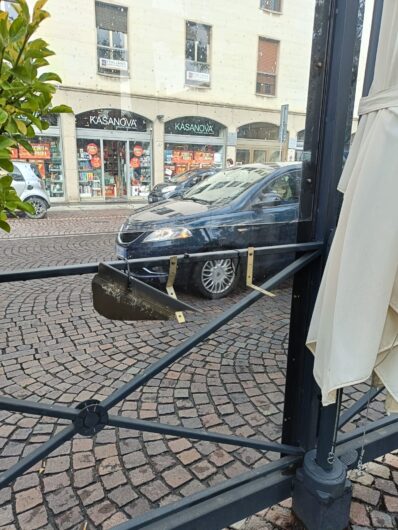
pixel 193 142
pixel 89 168
pixel 48 160
pixel 117 164
pixel 140 169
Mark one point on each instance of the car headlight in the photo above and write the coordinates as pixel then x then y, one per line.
pixel 168 189
pixel 168 234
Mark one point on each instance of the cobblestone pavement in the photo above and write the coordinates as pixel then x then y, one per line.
pixel 55 348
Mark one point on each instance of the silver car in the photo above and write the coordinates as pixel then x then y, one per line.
pixel 29 186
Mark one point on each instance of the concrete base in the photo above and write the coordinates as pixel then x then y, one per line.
pixel 322 499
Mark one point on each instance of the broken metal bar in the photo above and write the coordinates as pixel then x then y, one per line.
pixel 197 434
pixel 92 268
pixel 358 406
pixel 205 332
pixel 35 456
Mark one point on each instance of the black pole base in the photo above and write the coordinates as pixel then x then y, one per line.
pixel 321 499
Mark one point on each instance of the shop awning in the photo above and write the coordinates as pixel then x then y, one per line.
pixel 354 328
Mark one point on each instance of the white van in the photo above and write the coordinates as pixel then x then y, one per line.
pixel 29 186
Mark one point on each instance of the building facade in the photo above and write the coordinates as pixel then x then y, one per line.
pixel 161 86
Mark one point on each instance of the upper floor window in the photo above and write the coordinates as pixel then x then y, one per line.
pixel 197 54
pixel 271 5
pixel 10 7
pixel 111 22
pixel 267 66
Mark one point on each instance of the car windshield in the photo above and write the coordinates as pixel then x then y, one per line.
pixel 35 171
pixel 182 177
pixel 225 186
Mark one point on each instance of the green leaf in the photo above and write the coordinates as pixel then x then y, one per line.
pixel 17 29
pixel 49 76
pixel 26 145
pixel 58 109
pixel 5 226
pixel 3 116
pixel 6 181
pixel 6 142
pixel 6 164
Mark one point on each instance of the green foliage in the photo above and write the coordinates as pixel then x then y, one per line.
pixel 25 94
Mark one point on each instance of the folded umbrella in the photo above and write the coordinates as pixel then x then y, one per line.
pixel 354 327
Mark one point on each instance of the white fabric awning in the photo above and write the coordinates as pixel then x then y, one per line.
pixel 354 328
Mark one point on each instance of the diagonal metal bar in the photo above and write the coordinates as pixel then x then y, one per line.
pixel 40 409
pixel 92 268
pixel 227 502
pixel 197 434
pixel 369 428
pixel 35 456
pixel 358 406
pixel 206 331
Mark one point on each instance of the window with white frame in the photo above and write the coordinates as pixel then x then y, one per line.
pixel 267 63
pixel 271 5
pixel 197 54
pixel 111 22
pixel 10 7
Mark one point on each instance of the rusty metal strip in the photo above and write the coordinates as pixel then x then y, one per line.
pixel 170 286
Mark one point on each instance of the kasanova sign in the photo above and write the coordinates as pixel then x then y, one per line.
pixel 193 125
pixel 113 119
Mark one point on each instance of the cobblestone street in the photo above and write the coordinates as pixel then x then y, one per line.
pixel 56 349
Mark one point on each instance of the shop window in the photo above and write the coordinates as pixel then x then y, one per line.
pixel 140 168
pixel 259 131
pixel 111 22
pixel 267 66
pixel 197 54
pixel 271 5
pixel 179 158
pixel 10 7
pixel 90 168
pixel 47 159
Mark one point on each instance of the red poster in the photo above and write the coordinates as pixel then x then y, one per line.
pixel 95 162
pixel 204 157
pixel 135 163
pixel 40 151
pixel 182 156
pixel 92 149
pixel 138 150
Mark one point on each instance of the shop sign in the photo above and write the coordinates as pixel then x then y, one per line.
pixel 113 64
pixel 198 76
pixel 111 119
pixel 193 125
pixel 40 151
pixel 138 150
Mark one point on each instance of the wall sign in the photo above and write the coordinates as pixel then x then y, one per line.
pixel 194 125
pixel 112 119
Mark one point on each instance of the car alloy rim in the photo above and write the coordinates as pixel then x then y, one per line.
pixel 38 206
pixel 218 275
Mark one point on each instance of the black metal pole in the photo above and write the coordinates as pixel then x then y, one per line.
pixel 205 332
pixel 35 456
pixel 197 434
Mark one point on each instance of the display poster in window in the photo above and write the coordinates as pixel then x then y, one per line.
pixel 182 156
pixel 204 158
pixel 40 151
pixel 138 150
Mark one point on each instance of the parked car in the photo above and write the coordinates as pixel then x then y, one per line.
pixel 180 184
pixel 29 186
pixel 250 205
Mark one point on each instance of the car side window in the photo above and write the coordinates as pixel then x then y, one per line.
pixel 17 175
pixel 286 186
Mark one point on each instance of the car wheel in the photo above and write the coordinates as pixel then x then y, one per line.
pixel 216 278
pixel 40 207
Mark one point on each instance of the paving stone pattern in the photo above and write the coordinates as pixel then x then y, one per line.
pixel 55 348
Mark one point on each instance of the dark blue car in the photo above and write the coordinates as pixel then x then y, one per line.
pixel 251 205
pixel 180 184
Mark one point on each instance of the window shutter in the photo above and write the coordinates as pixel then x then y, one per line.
pixel 111 17
pixel 267 56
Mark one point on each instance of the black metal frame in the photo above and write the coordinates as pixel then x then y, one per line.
pixel 305 422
